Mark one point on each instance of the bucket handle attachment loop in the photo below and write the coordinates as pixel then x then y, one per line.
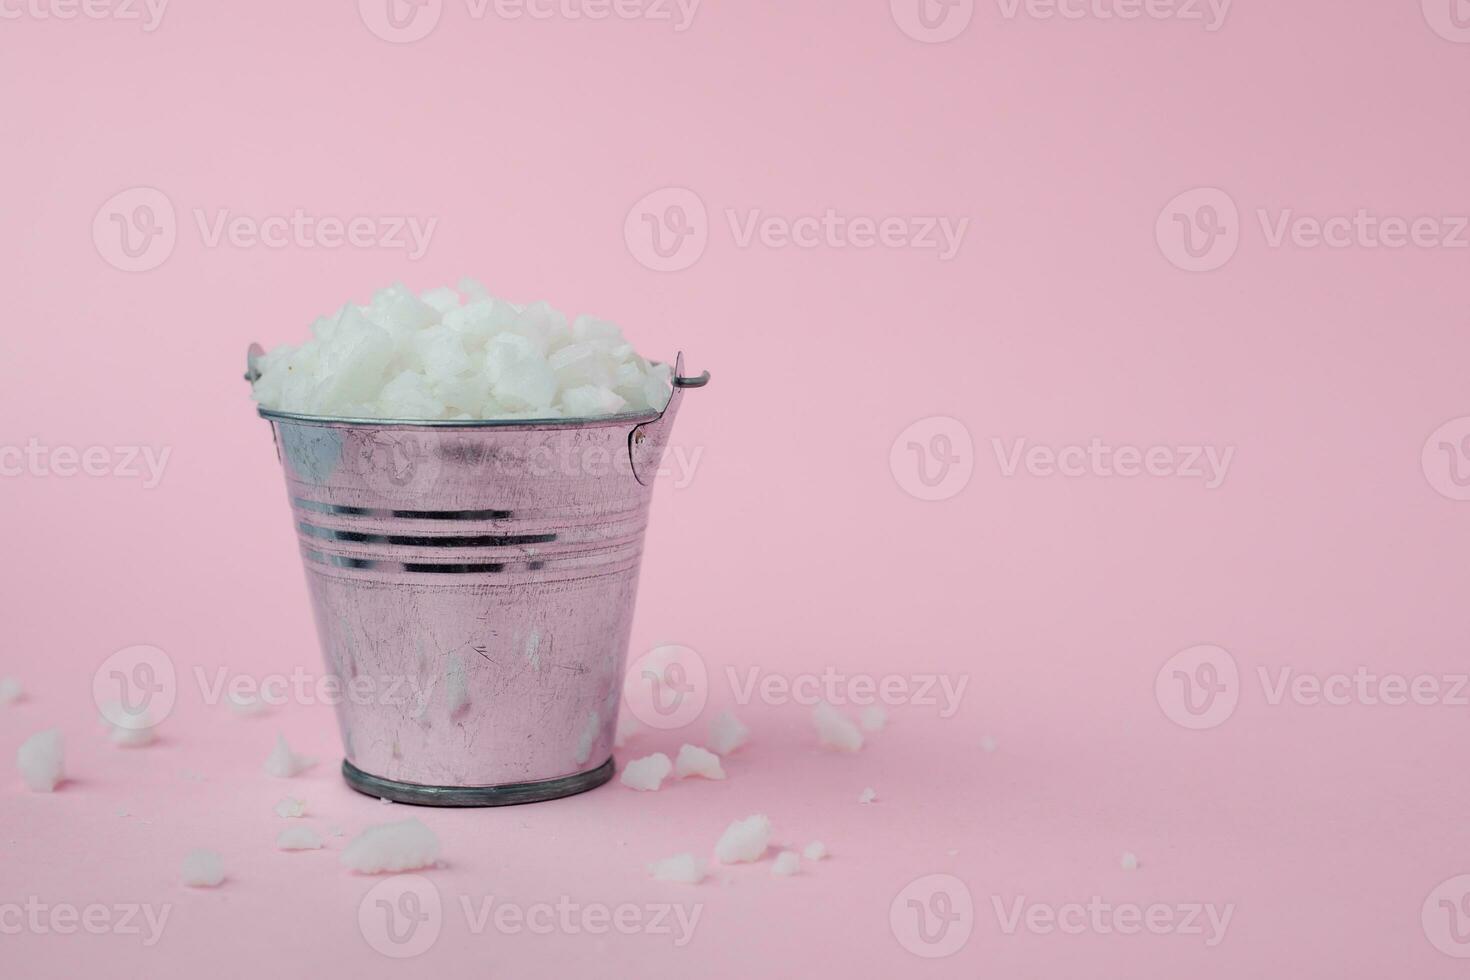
pixel 646 443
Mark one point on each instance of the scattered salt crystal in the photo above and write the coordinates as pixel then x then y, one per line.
pixel 744 840
pixel 627 728
pixel 786 863
pixel 41 762
pixel 988 743
pixel 648 773
pixel 132 738
pixel 128 727
pixel 203 868
pixel 401 846
pixel 298 839
pixel 384 801
pixel 867 796
pixel 835 731
pixel 459 354
pixel 815 851
pixel 290 806
pixel 695 761
pixel 682 868
pixel 726 733
pixel 283 763
pixel 10 690
pixel 1129 861
pixel 121 811
pixel 873 718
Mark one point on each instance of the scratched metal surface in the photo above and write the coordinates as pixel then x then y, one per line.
pixel 473 587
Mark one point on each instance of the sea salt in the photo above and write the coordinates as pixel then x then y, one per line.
pixel 682 868
pixel 873 718
pixel 834 731
pixel 786 863
pixel 129 728
pixel 815 851
pixel 627 728
pixel 298 839
pixel 744 840
pixel 867 796
pixel 290 806
pixel 647 774
pixel 41 761
pixel 283 763
pixel 459 354
pixel 1129 861
pixel 203 868
pixel 695 761
pixel 10 690
pixel 726 733
pixel 401 846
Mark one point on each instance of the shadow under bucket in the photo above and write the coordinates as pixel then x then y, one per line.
pixel 473 585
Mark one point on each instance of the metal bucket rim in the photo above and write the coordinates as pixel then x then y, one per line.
pixel 588 421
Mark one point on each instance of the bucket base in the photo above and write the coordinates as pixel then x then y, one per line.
pixel 507 794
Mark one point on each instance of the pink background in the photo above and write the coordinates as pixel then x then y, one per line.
pixel 795 548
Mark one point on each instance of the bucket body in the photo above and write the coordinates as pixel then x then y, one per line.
pixel 473 586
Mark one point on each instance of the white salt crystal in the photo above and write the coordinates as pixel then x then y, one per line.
pixel 132 738
pixel 815 851
pixel 126 727
pixel 456 353
pixel 786 863
pixel 744 840
pixel 834 731
pixel 401 846
pixel 988 743
pixel 682 868
pixel 10 690
pixel 245 705
pixel 695 761
pixel 41 761
pixel 284 763
pixel 873 718
pixel 298 839
pixel 203 868
pixel 648 773
pixel 290 806
pixel 1129 861
pixel 867 796
pixel 726 733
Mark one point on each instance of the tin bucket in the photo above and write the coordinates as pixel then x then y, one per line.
pixel 473 585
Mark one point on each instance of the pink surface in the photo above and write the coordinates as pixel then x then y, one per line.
pixel 1077 149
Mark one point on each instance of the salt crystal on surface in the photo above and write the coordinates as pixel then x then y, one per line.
pixel 835 731
pixel 290 806
pixel 203 868
pixel 867 796
pixel 744 840
pixel 695 761
pixel 988 743
pixel 683 868
pixel 873 718
pixel 647 774
pixel 41 761
pixel 127 727
pixel 459 354
pixel 1129 861
pixel 283 763
pixel 786 863
pixel 10 690
pixel 627 727
pixel 726 733
pixel 815 851
pixel 401 846
pixel 298 839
